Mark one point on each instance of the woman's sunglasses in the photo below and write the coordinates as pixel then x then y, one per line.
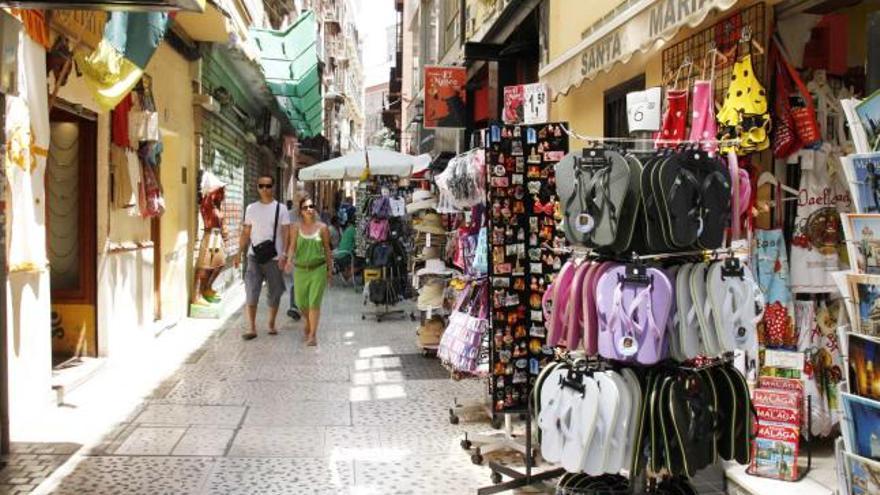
pixel 308 207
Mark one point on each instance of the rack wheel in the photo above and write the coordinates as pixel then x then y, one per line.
pixel 412 317
pixel 496 478
pixel 363 317
pixel 466 444
pixel 453 418
pixel 477 459
pixel 378 319
pixel 497 422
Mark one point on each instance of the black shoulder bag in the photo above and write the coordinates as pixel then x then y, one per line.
pixel 265 251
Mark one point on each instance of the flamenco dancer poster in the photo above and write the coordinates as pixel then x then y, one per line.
pixel 445 97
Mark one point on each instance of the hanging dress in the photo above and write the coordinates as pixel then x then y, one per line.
pixel 309 270
pixel 27 143
pixel 703 125
pixel 744 114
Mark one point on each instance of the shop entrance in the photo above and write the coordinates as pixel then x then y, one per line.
pixel 71 234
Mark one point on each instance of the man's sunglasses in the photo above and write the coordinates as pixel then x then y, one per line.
pixel 265 186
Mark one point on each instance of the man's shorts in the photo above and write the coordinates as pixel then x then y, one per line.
pixel 253 282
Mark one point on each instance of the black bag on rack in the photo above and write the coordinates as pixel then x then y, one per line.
pixel 380 254
pixel 378 292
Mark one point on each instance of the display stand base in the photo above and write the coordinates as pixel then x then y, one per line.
pixel 494 441
pixel 385 314
pixel 519 479
pixel 471 408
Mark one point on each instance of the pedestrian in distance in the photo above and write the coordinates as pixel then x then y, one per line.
pixel 263 243
pixel 312 262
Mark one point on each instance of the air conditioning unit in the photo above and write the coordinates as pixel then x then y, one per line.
pixel 137 5
pixel 207 102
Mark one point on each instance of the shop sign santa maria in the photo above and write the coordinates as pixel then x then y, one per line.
pixel 661 20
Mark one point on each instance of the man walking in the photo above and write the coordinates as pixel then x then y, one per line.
pixel 264 241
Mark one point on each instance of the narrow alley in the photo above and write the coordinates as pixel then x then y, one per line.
pixel 365 412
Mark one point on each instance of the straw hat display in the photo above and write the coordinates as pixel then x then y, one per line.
pixel 431 295
pixel 430 223
pixel 429 253
pixel 422 200
pixel 431 331
pixel 435 266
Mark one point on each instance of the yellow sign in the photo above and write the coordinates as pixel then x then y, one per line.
pixel 87 26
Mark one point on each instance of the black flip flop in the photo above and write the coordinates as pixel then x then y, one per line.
pixel 693 422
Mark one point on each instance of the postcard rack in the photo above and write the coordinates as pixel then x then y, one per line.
pixel 805 440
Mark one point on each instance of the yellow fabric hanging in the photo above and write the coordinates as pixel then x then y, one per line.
pixel 744 114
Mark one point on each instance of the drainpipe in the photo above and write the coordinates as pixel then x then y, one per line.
pixel 4 335
pixel 873 62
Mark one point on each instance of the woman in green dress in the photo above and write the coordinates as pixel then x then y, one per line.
pixel 312 261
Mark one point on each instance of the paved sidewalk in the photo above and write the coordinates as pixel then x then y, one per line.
pixel 363 413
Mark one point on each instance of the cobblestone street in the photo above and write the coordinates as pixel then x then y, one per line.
pixel 365 412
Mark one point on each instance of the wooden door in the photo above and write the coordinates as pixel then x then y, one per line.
pixel 71 234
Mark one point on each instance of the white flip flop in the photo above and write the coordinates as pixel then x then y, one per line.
pixel 700 300
pixel 690 339
pixel 598 448
pixel 733 302
pixel 552 395
pixel 634 387
pixel 615 460
pixel 579 430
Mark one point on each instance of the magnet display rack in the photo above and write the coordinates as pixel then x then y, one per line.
pixel 521 206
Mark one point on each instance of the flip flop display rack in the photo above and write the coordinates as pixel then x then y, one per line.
pixel 654 317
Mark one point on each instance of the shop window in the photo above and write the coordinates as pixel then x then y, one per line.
pixel 615 106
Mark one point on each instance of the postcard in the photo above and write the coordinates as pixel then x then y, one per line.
pixel 863 242
pixel 869 115
pixel 862 432
pixel 864 365
pixel 863 474
pixel 865 293
pixel 775 451
pixel 863 177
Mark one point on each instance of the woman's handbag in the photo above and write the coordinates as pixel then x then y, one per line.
pixel 378 229
pixel 801 106
pixel 460 345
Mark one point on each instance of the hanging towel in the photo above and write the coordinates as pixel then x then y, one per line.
pixel 114 68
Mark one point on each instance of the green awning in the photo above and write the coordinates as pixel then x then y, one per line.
pixel 289 59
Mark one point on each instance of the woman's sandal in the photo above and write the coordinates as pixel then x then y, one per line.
pixel 249 335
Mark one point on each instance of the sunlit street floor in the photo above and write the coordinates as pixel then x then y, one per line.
pixel 200 411
pixel 364 412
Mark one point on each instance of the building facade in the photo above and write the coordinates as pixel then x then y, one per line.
pixel 375 98
pixel 496 40
pixel 117 274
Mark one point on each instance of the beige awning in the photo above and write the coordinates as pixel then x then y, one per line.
pixel 210 26
pixel 636 26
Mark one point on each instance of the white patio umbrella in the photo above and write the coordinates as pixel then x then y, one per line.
pixel 352 165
